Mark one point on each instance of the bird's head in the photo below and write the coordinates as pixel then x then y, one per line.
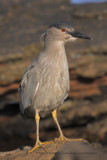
pixel 64 32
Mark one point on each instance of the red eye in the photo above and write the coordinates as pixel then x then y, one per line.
pixel 63 29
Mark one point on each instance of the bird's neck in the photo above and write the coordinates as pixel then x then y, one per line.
pixel 54 47
pixel 56 56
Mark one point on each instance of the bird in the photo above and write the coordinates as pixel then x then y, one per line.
pixel 45 83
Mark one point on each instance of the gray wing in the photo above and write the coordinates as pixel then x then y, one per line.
pixel 28 86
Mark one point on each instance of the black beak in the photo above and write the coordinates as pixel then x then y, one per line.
pixel 77 34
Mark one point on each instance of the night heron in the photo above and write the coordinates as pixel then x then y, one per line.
pixel 45 83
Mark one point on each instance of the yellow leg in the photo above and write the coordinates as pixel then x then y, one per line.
pixel 61 137
pixel 38 142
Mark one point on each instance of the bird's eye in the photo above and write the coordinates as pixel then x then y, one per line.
pixel 63 29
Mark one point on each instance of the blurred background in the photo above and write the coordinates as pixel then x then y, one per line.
pixel 84 113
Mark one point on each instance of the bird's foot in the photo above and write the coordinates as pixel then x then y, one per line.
pixel 63 138
pixel 37 145
pixel 40 144
pixel 47 142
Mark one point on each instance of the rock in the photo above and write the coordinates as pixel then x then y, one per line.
pixel 90 66
pixel 80 151
pixel 12 66
pixel 57 151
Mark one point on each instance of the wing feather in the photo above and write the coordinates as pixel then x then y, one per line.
pixel 28 87
pixel 35 91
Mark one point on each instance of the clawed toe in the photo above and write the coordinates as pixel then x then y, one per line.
pixel 40 144
pixel 63 138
